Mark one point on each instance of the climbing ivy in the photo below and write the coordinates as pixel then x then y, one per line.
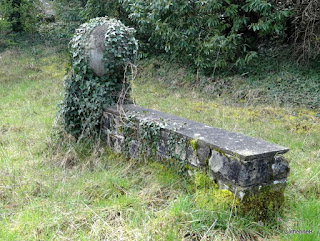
pixel 150 135
pixel 87 94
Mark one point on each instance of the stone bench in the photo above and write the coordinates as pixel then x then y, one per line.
pixel 241 164
pixel 252 169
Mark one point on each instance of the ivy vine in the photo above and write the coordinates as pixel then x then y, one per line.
pixel 86 93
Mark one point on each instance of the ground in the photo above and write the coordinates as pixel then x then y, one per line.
pixel 84 193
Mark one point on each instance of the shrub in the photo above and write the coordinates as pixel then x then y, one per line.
pixel 207 33
pixel 19 15
pixel 100 8
pixel 68 18
pixel 70 14
pixel 5 24
pixel 88 93
pixel 305 26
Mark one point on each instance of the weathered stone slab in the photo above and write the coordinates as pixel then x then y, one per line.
pixel 236 144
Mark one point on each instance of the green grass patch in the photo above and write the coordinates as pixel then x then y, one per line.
pixel 84 192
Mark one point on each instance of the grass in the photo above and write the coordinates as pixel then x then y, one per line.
pixel 271 79
pixel 84 192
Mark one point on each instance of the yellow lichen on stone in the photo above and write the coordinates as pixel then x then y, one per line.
pixel 202 180
pixel 208 195
pixel 194 143
pixel 215 199
pixel 262 204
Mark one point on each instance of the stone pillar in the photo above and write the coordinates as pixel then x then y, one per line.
pixel 101 51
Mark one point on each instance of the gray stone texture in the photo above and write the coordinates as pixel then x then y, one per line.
pixel 237 162
pixel 192 156
pixel 238 172
pixel 237 144
pixel 180 151
pixel 134 148
pixel 203 152
pixel 96 48
pixel 117 142
pixel 280 167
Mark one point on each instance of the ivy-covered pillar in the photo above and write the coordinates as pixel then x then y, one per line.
pixel 100 53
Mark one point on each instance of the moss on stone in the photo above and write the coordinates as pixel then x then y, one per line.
pixel 264 203
pixel 215 199
pixel 208 195
pixel 202 180
pixel 188 167
pixel 194 143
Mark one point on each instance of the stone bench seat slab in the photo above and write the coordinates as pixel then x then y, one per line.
pixel 246 148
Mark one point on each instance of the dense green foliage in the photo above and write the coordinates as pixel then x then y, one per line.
pixel 70 14
pixel 204 34
pixel 270 79
pixel 101 8
pixel 207 34
pixel 305 28
pixel 86 93
pixel 18 15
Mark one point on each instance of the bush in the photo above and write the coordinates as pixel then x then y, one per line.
pixel 67 18
pixel 19 15
pixel 70 14
pixel 101 8
pixel 305 26
pixel 207 34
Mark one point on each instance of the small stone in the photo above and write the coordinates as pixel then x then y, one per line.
pixel 216 162
pixel 117 141
pixel 192 157
pixel 241 195
pixel 203 153
pixel 280 168
pixel 134 148
pixel 162 148
pixel 240 173
pixel 180 151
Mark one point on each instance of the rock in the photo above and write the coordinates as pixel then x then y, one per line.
pixel 98 58
pixel 180 151
pixel 192 156
pixel 241 173
pixel 280 168
pixel 162 150
pixel 134 148
pixel 203 153
pixel 96 48
pixel 118 142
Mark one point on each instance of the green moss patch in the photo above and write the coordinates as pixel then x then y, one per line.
pixel 194 144
pixel 263 204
